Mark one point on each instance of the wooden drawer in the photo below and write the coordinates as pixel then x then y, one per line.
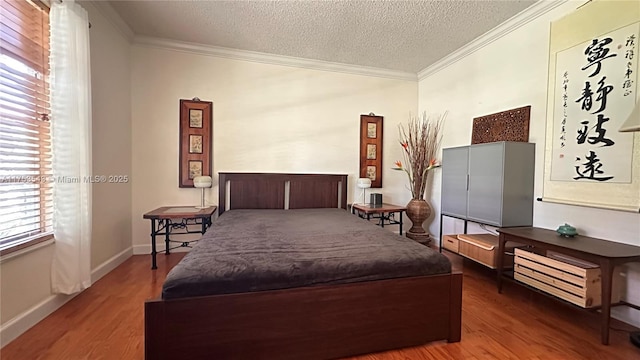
pixel 482 248
pixel 573 281
pixel 450 242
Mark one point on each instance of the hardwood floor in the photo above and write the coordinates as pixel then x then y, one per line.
pixel 106 322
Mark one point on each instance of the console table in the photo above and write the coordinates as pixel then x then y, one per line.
pixel 607 254
pixel 166 217
pixel 384 212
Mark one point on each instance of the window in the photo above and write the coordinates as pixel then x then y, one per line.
pixel 26 182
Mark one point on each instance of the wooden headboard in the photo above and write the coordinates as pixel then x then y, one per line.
pixel 281 191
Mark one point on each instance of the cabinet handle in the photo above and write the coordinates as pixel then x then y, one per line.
pixel 488 248
pixel 468 181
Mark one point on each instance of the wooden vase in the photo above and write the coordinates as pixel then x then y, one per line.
pixel 418 210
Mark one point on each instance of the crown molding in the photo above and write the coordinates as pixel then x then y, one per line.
pixel 531 13
pixel 106 10
pixel 264 58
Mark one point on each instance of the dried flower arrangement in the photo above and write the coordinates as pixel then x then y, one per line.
pixel 420 141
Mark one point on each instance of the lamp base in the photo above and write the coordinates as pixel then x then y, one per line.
pixel 364 192
pixel 202 205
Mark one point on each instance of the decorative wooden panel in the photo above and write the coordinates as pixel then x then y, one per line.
pixel 510 125
pixel 371 149
pixel 195 140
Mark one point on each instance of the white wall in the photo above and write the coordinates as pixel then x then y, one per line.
pixel 508 73
pixel 25 294
pixel 266 118
pixel 111 141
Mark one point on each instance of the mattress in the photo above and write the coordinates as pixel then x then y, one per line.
pixel 258 250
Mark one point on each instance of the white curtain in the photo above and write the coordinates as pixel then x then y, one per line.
pixel 71 139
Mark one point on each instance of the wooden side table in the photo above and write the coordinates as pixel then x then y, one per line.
pixel 166 217
pixel 607 254
pixel 385 213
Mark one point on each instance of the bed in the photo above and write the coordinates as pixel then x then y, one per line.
pixel 265 307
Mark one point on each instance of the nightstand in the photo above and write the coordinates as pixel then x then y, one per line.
pixel 385 213
pixel 170 218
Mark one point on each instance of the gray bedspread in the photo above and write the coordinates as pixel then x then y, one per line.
pixel 256 250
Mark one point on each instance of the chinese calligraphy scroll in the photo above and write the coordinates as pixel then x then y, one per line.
pixel 595 84
pixel 592 90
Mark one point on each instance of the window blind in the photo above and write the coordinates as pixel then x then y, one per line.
pixel 26 182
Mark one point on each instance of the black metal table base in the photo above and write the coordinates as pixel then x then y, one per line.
pixel 383 218
pixel 166 227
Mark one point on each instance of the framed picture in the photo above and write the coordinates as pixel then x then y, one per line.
pixel 371 130
pixel 195 140
pixel 371 152
pixel 371 149
pixel 371 172
pixel 195 118
pixel 195 169
pixel 195 144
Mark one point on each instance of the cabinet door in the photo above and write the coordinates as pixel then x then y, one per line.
pixel 455 165
pixel 485 183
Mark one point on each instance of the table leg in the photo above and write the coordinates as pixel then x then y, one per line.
pixel 500 260
pixel 606 269
pixel 167 227
pixel 400 222
pixel 204 225
pixel 153 245
pixel 440 242
pixel 382 219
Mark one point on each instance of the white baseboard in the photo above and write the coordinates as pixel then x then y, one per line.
pixel 110 264
pixel 23 322
pixel 146 249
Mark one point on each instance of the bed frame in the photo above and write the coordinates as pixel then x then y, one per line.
pixel 316 322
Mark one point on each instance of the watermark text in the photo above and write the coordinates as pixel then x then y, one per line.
pixel 48 179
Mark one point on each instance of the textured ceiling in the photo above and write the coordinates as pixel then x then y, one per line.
pixel 396 35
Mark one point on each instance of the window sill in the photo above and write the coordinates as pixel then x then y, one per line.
pixel 25 247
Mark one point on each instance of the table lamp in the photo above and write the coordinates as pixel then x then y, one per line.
pixel 202 182
pixel 363 183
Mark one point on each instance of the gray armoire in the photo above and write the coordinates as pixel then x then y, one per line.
pixel 490 183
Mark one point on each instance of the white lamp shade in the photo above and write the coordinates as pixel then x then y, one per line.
pixel 202 181
pixel 633 122
pixel 363 183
